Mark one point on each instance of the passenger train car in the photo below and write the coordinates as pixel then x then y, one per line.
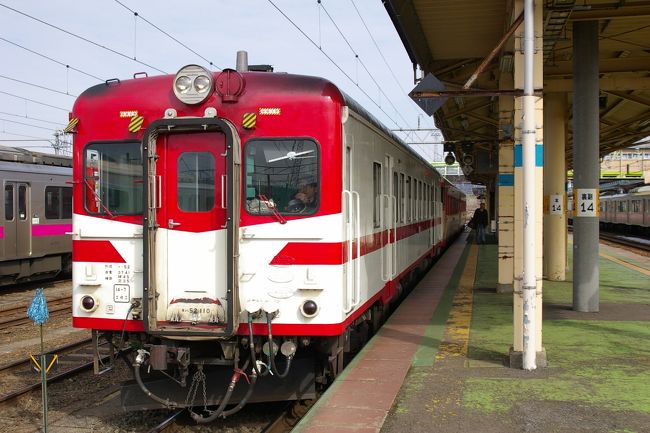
pixel 243 224
pixel 629 212
pixel 37 219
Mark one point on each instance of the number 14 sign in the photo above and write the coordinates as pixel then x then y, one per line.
pixel 585 202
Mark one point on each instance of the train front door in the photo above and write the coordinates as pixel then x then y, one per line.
pixel 17 228
pixel 192 243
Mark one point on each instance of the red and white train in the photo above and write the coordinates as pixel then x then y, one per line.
pixel 245 222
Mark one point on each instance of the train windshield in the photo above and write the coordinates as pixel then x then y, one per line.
pixel 282 176
pixel 113 178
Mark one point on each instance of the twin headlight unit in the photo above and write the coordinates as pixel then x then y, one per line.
pixel 193 84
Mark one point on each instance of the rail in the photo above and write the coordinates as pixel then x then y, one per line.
pixel 18 379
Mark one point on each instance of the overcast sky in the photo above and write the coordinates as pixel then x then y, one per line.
pixel 215 30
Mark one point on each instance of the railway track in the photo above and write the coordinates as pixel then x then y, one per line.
pixel 626 241
pixel 167 422
pixel 621 240
pixel 15 316
pixel 285 420
pixel 18 378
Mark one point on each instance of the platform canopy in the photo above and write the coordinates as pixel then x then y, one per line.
pixel 451 38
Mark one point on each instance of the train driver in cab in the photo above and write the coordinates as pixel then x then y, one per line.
pixel 305 200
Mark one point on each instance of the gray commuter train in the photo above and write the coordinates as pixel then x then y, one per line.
pixel 35 240
pixel 628 212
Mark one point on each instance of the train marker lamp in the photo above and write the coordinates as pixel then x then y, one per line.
pixel 193 84
pixel 309 308
pixel 449 159
pixel 88 303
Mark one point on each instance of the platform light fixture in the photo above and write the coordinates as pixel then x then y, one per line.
pixel 449 159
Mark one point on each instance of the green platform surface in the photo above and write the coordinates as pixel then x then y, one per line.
pixel 599 363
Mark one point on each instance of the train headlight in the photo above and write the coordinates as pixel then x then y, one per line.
pixel 182 84
pixel 88 303
pixel 193 84
pixel 309 308
pixel 202 84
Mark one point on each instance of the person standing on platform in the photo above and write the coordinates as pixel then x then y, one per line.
pixel 480 220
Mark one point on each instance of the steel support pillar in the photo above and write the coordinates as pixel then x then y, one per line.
pixel 586 166
pixel 555 216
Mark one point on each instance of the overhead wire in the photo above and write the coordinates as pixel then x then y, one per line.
pixel 24 116
pixel 331 60
pixel 374 41
pixel 38 86
pixel 35 101
pixel 377 46
pixel 25 136
pixel 363 65
pixel 139 15
pixel 198 54
pixel 27 140
pixel 51 59
pixel 25 124
pixel 82 38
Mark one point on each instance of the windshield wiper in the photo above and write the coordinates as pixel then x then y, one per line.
pixel 271 206
pixel 99 200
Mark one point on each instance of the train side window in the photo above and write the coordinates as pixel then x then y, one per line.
pixel 636 206
pixel 52 202
pixel 66 203
pixel 196 183
pixel 58 202
pixel 376 189
pixel 113 178
pixel 22 202
pixel 9 202
pixel 282 176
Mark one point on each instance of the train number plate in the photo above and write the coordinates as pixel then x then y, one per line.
pixel 121 293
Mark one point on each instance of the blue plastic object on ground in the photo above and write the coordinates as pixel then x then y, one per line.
pixel 37 311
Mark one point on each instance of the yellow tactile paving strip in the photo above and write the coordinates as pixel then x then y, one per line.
pixel 626 264
pixel 456 339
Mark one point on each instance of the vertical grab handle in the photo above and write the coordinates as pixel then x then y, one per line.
pixel 158 187
pixel 394 247
pixel 346 198
pixel 385 273
pixel 224 183
pixel 357 236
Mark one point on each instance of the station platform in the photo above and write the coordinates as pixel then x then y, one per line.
pixel 438 364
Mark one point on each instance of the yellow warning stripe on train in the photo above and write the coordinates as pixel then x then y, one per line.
pixel 71 125
pixel 249 120
pixel 136 123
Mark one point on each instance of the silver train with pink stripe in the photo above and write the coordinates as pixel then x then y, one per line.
pixel 36 220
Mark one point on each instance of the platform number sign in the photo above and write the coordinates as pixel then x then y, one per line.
pixel 556 205
pixel 585 202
